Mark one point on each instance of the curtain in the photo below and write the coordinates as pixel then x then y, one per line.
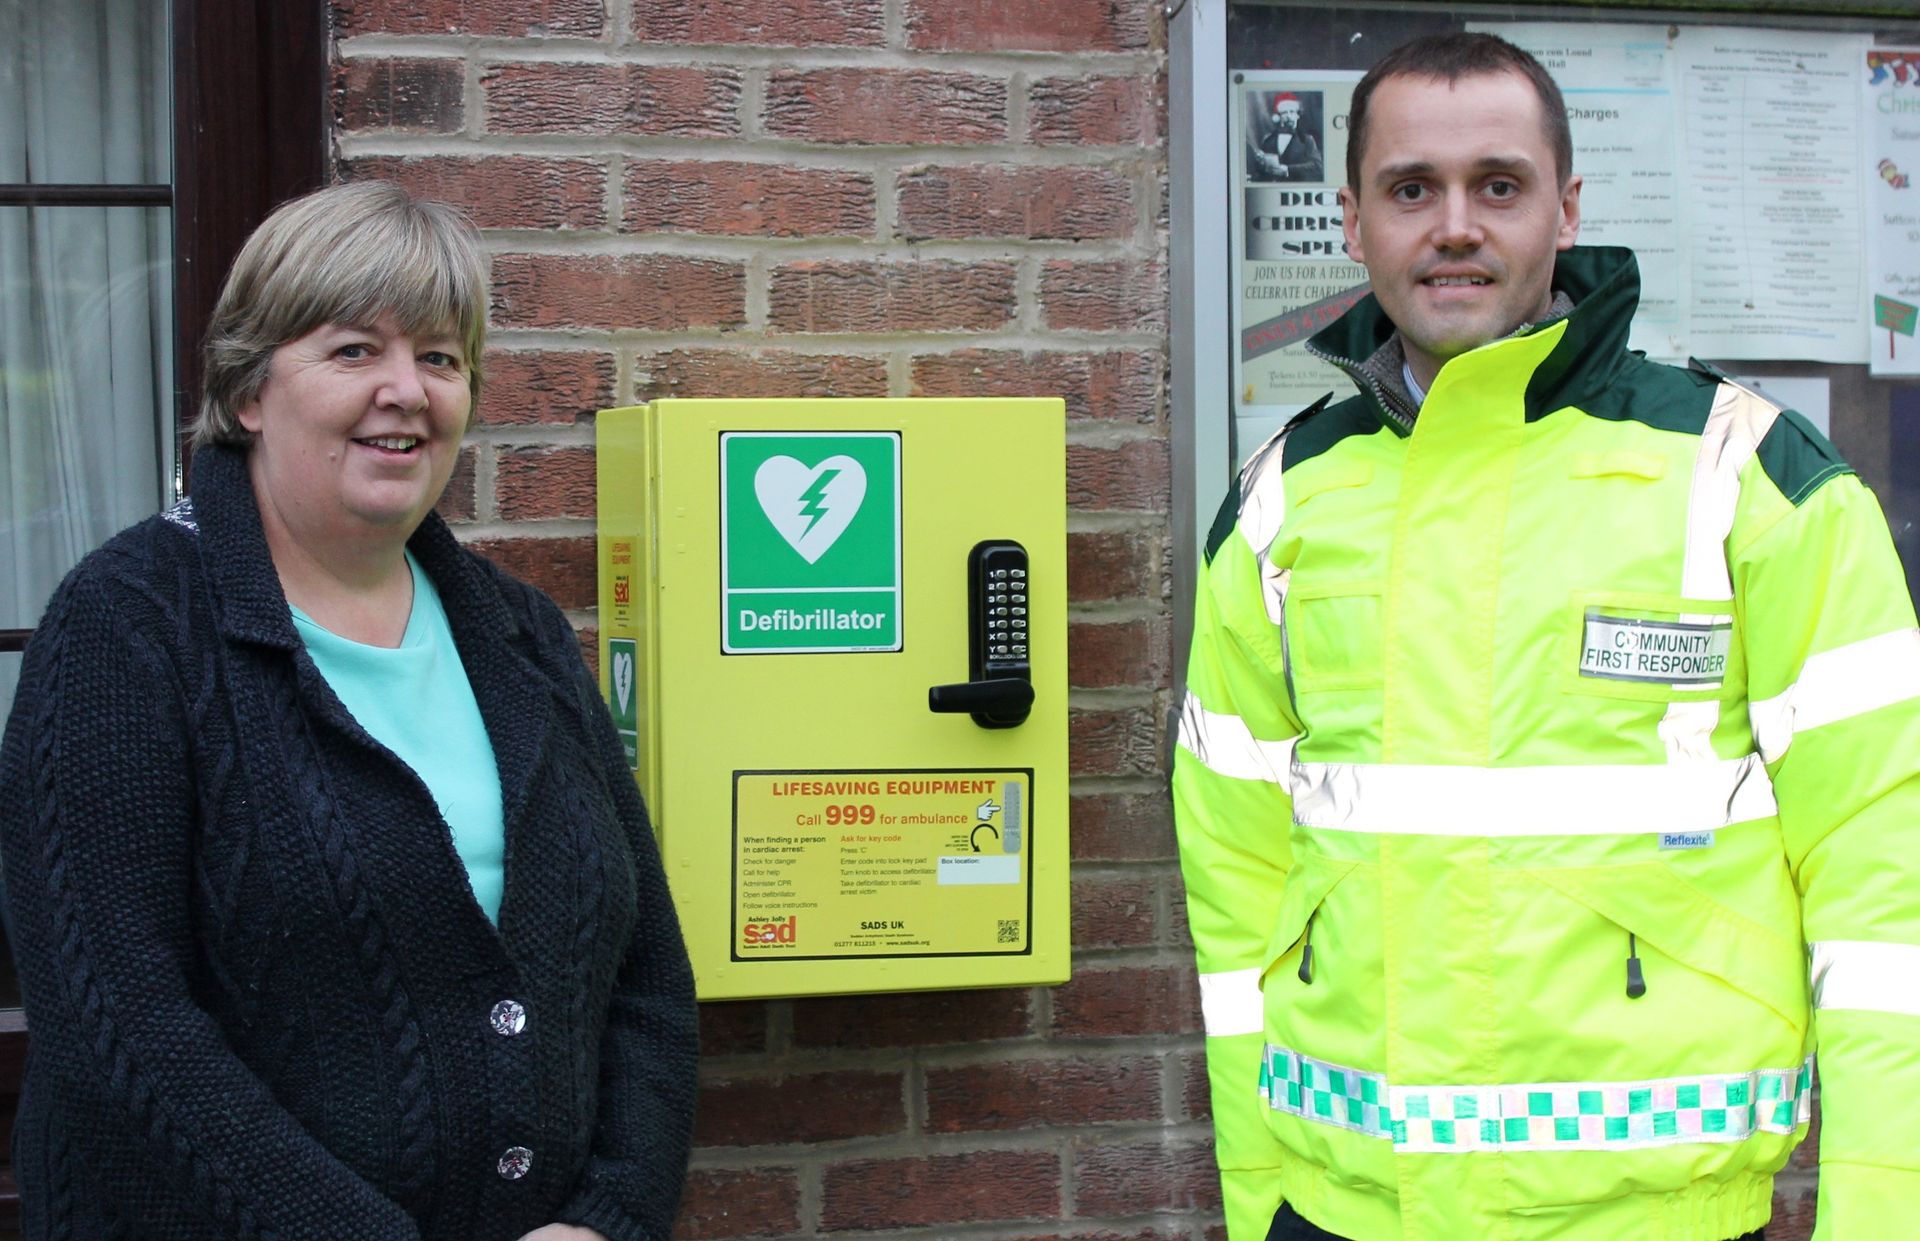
pixel 85 292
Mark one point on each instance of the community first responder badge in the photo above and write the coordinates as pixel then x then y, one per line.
pixel 1622 648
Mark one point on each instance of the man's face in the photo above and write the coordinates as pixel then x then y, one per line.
pixel 1286 114
pixel 1459 211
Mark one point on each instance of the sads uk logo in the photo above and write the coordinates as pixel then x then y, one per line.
pixel 763 934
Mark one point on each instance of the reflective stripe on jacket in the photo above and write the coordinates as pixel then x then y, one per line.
pixel 1547 795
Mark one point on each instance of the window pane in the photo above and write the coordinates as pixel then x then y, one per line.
pixel 84 93
pixel 85 293
pixel 86 379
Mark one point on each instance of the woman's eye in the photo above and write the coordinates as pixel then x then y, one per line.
pixel 353 353
pixel 435 357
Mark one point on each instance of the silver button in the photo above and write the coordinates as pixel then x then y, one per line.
pixel 516 1162
pixel 509 1017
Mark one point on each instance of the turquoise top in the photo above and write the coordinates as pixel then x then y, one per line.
pixel 415 700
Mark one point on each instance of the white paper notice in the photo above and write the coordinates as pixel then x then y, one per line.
pixel 1893 209
pixel 1619 91
pixel 1770 170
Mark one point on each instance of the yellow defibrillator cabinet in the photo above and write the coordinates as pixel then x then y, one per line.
pixel 833 638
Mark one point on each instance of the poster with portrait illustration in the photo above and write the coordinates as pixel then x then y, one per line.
pixel 1892 77
pixel 1290 259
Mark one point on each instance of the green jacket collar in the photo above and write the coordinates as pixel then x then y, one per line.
pixel 1604 285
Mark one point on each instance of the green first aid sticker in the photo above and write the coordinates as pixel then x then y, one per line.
pixel 623 699
pixel 809 542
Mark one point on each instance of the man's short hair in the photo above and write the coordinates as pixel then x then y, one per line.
pixel 1448 58
pixel 348 255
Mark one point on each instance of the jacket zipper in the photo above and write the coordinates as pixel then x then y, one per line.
pixel 1357 372
pixel 1636 981
pixel 1306 951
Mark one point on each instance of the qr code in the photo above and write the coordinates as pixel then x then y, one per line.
pixel 1009 931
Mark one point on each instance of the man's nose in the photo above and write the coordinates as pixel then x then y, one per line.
pixel 1457 225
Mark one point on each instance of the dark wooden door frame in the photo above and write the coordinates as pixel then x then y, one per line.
pixel 249 132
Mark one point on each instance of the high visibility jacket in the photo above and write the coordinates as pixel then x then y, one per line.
pixel 1547 797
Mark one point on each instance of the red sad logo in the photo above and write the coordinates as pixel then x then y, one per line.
pixel 622 590
pixel 771 932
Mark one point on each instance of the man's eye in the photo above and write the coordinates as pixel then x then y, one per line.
pixel 1502 189
pixel 1409 193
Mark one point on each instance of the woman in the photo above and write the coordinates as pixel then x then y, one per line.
pixel 336 910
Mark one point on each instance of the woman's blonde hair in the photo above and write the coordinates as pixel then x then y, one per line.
pixel 349 255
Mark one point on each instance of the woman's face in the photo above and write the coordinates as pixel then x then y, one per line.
pixel 357 429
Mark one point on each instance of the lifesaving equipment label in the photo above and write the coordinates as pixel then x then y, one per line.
pixel 1620 648
pixel 623 655
pixel 833 864
pixel 809 542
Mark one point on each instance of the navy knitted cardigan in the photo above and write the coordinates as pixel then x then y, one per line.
pixel 262 1000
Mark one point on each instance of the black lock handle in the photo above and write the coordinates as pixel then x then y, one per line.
pixel 1003 702
pixel 998 692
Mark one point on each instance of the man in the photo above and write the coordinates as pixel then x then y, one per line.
pixel 1286 152
pixel 1550 713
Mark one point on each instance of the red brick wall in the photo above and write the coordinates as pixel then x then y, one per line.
pixel 855 198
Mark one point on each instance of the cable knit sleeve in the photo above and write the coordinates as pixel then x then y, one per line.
pixel 649 1054
pixel 97 825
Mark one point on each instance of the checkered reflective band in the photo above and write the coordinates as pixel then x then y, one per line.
pixel 1328 1093
pixel 1539 1116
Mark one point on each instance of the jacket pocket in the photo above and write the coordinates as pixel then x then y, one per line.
pixel 1309 882
pixel 1724 948
pixel 1333 633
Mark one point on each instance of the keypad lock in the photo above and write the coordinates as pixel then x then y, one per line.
pixel 999 690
